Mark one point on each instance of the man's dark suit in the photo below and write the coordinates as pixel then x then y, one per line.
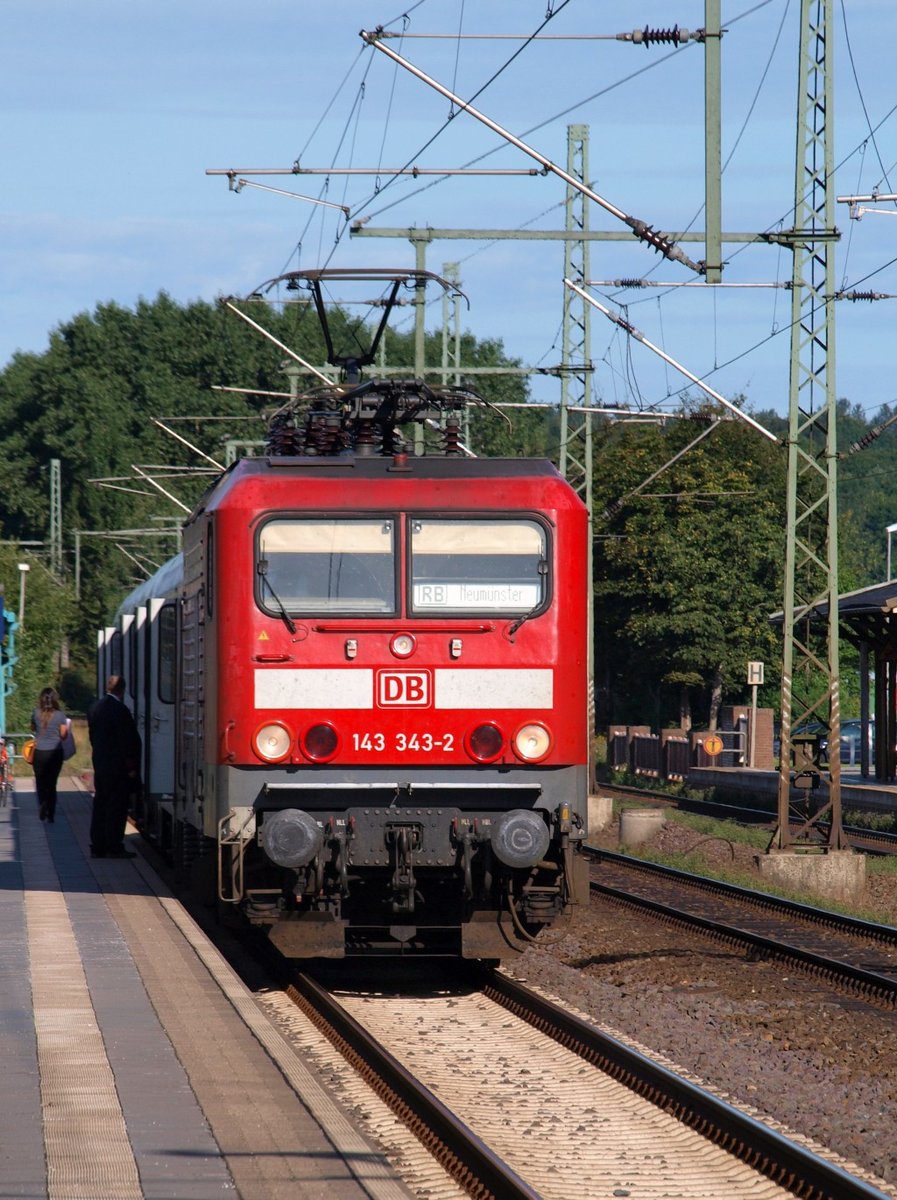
pixel 116 762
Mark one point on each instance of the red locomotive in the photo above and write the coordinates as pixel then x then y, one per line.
pixel 362 687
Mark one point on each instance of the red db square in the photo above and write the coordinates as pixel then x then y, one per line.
pixel 404 689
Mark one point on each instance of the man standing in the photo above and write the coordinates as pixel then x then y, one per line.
pixel 116 769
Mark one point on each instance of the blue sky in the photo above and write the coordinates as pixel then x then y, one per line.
pixel 113 111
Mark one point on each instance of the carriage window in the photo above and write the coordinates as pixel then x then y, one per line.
pixel 327 565
pixel 466 565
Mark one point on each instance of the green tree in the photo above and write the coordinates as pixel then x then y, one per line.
pixel 687 568
pixel 41 647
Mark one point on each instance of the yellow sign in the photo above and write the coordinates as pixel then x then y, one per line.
pixel 713 745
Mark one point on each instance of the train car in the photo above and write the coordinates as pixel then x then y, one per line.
pixel 362 686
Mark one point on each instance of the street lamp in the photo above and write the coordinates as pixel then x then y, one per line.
pixel 24 568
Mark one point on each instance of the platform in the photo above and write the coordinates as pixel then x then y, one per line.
pixel 136 1064
pixel 856 791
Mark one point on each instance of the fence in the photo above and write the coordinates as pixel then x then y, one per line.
pixel 670 754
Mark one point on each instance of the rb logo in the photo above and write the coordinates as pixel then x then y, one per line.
pixel 408 689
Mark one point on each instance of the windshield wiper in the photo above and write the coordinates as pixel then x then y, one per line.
pixel 542 570
pixel 287 619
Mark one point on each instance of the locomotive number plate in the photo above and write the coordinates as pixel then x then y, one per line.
pixel 404 743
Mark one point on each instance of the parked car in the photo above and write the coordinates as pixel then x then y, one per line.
pixel 852 740
pixel 814 728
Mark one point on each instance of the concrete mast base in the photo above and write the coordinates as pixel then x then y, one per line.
pixel 834 874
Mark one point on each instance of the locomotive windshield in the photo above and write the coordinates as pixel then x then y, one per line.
pixel 468 565
pixel 350 565
pixel 329 565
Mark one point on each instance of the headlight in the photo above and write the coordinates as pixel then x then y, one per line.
pixel 320 743
pixel 272 741
pixel 520 837
pixel 485 743
pixel 402 645
pixel 532 742
pixel 291 838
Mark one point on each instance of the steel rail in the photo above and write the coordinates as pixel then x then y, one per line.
pixel 465 1156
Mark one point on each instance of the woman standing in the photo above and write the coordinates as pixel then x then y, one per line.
pixel 50 726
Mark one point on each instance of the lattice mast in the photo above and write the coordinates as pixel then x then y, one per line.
pixel 810 667
pixel 575 459
pixel 56 517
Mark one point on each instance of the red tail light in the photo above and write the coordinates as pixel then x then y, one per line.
pixel 320 743
pixel 485 743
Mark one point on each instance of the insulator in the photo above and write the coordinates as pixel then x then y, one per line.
pixel 452 439
pixel 630 283
pixel 317 435
pixel 643 230
pixel 651 37
pixel 366 438
pixel 860 296
pixel 281 439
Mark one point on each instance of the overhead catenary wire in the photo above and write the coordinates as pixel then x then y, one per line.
pixel 640 228
pixel 639 336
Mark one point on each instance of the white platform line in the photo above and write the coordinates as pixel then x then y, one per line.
pixel 88 1151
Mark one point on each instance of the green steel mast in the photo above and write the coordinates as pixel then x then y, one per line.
pixel 810 669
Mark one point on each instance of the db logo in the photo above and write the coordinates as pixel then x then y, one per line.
pixel 410 689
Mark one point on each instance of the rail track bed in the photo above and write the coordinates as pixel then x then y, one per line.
pixel 858 955
pixel 518 1098
pixel 786 1044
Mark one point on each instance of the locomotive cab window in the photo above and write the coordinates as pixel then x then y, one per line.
pixel 321 565
pixel 477 566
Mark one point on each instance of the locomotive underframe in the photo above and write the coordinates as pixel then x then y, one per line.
pixel 404 866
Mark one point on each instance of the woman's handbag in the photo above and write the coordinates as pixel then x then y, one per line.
pixel 28 750
pixel 68 745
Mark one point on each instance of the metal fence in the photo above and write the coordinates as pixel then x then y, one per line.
pixel 669 755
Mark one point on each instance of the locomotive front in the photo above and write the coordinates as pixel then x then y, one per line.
pixel 383 691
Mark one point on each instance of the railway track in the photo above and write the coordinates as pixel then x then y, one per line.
pixel 857 955
pixel 517 1097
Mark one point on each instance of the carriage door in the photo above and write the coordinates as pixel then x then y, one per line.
pixel 108 656
pixel 126 666
pixel 160 698
pixel 103 636
pixel 137 688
